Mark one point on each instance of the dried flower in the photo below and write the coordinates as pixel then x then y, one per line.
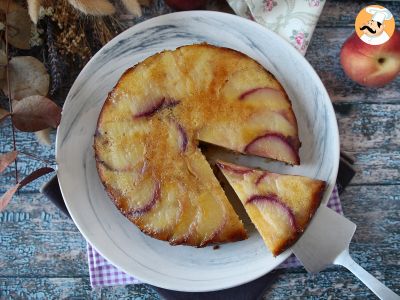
pixel 70 39
pixel 33 10
pixel 94 8
pixel 133 7
pixel 46 12
pixel 55 65
pixel 36 39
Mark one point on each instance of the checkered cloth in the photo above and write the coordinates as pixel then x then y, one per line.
pixel 103 273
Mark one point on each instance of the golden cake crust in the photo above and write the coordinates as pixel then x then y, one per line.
pixel 197 92
pixel 298 196
pixel 315 201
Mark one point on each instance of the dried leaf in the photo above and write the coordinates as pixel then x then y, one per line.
pixel 43 136
pixel 133 7
pixel 7 159
pixel 145 2
pixel 35 113
pixel 35 175
pixel 19 28
pixel 28 76
pixel 3 114
pixel 5 199
pixel 95 8
pixel 12 6
pixel 33 10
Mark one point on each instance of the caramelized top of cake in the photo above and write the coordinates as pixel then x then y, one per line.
pixel 149 127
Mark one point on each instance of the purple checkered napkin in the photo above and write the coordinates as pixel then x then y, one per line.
pixel 103 273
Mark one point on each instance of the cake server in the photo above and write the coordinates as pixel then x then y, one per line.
pixel 326 241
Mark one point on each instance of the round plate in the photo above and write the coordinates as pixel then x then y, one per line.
pixel 155 262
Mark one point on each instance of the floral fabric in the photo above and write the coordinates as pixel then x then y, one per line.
pixel 294 20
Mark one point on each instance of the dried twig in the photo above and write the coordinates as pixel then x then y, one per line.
pixel 47 162
pixel 9 91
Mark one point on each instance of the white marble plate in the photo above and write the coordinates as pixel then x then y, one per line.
pixel 180 267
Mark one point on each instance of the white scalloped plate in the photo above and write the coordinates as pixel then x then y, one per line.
pixel 155 262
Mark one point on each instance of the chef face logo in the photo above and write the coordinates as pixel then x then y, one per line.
pixel 375 25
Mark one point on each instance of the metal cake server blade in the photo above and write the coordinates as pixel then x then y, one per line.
pixel 326 241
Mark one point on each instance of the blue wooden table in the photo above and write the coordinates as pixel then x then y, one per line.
pixel 43 255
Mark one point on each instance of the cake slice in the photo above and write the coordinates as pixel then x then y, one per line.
pixel 280 206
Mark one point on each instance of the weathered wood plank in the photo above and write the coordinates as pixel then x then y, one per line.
pixel 36 240
pixel 377 167
pixel 34 288
pixel 139 292
pixel 376 211
pixel 323 54
pixel 370 132
pixel 343 13
pixel 364 128
pixel 46 288
pixel 337 283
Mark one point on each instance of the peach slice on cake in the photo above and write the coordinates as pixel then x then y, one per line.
pixel 274 145
pixel 112 146
pixel 131 202
pixel 186 225
pixel 274 99
pixel 211 219
pixel 280 206
pixel 149 108
pixel 177 136
pixel 160 220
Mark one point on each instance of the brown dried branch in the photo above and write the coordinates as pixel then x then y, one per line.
pixel 9 92
pixel 46 161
